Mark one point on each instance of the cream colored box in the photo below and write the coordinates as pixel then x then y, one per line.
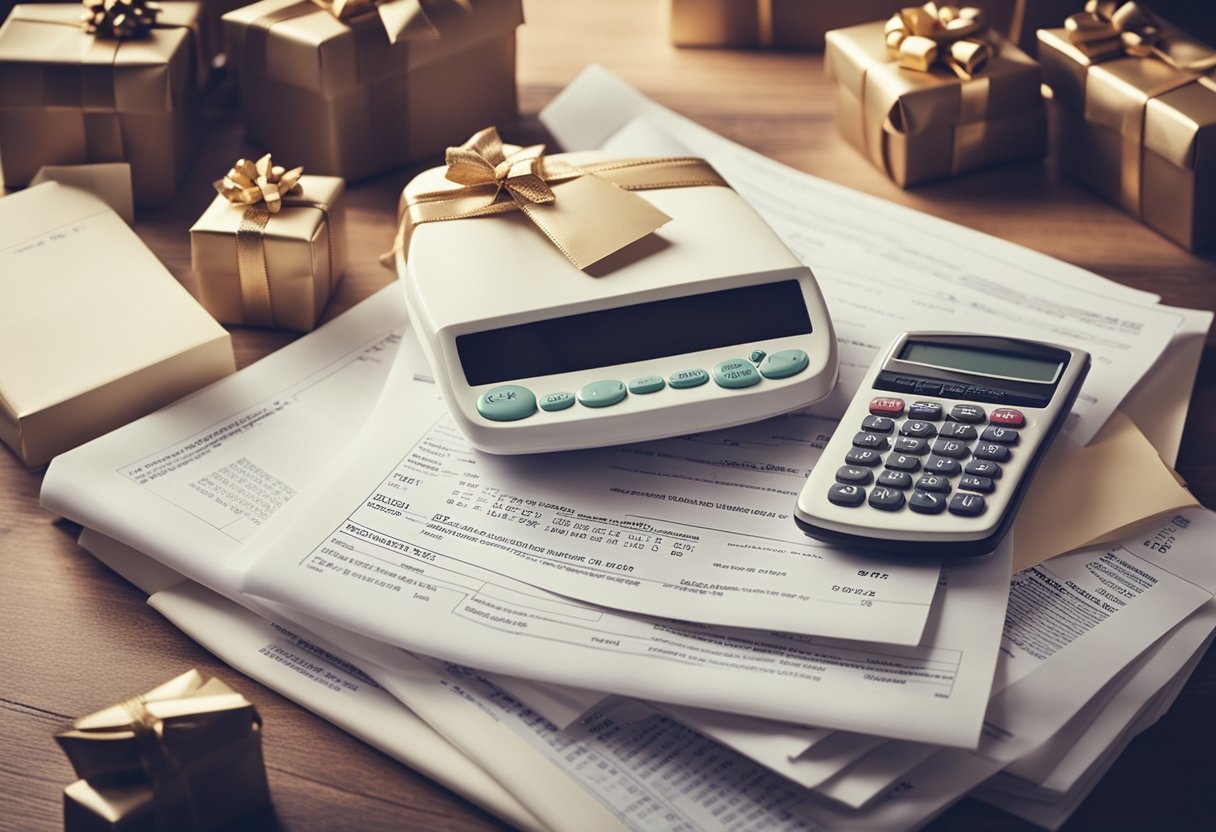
pixel 94 331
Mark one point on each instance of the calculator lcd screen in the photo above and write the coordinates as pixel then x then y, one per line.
pixel 984 362
pixel 639 332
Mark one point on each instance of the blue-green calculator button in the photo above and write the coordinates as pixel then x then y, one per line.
pixel 688 378
pixel 757 356
pixel 601 393
pixel 784 364
pixel 735 373
pixel 556 401
pixel 646 384
pixel 507 403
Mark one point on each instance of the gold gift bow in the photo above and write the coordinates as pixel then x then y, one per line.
pixel 602 216
pixel 402 19
pixel 120 19
pixel 263 188
pixel 922 37
pixel 1108 29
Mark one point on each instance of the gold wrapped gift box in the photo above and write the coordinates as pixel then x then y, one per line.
pixel 298 257
pixel 917 126
pixel 184 756
pixel 1140 132
pixel 68 97
pixel 340 99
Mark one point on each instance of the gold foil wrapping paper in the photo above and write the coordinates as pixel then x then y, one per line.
pixel 186 755
pixel 258 269
pixel 341 99
pixel 917 126
pixel 69 98
pixel 1141 133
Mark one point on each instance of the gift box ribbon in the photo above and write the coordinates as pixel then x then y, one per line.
pixel 922 37
pixel 587 211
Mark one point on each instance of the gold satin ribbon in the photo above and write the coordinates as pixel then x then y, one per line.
pixel 922 37
pixel 587 211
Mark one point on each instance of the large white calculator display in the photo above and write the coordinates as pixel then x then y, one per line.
pixel 706 323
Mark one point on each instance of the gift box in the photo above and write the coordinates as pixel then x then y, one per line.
pixel 936 104
pixel 341 98
pixel 184 756
pixel 1139 125
pixel 271 266
pixel 94 330
pixel 69 97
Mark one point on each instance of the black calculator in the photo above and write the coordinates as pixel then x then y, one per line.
pixel 940 442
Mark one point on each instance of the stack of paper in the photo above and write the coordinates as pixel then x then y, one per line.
pixel 652 636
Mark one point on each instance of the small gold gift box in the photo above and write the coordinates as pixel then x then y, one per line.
pixel 1137 116
pixel 69 96
pixel 272 266
pixel 925 106
pixel 184 756
pixel 341 98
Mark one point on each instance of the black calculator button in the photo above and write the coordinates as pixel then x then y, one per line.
pixel 953 448
pixel 878 424
pixel 970 413
pixel 863 456
pixel 935 483
pixel 991 450
pixel 967 505
pixel 958 430
pixel 943 465
pixel 983 468
pixel 895 479
pixel 918 427
pixel 925 502
pixel 929 411
pixel 853 474
pixel 999 435
pixel 865 439
pixel 911 445
pixel 846 494
pixel 903 462
pixel 969 482
pixel 887 499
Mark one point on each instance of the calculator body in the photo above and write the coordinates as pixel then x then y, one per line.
pixel 938 446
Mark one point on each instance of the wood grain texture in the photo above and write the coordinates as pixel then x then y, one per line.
pixel 74 637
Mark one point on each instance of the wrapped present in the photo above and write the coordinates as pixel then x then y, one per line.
pixel 184 756
pixel 356 88
pixel 75 88
pixel 1137 116
pixel 934 92
pixel 271 248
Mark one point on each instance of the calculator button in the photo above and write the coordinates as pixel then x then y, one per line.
pixel 688 378
pixel 993 451
pixel 952 448
pixel 918 428
pixel 958 430
pixel 870 440
pixel 863 456
pixel 846 494
pixel 1001 436
pixel 853 474
pixel 935 483
pixel 929 411
pixel 967 413
pixel 983 468
pixel 885 406
pixel 895 479
pixel 943 465
pixel 878 424
pixel 507 403
pixel 972 483
pixel 903 462
pixel 734 374
pixel 887 499
pixel 757 356
pixel 967 505
pixel 1007 417
pixel 601 393
pixel 784 364
pixel 911 445
pixel 924 502
pixel 552 402
pixel 647 384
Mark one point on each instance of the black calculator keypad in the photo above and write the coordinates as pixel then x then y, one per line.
pixel 887 499
pixel 853 474
pixel 846 494
pixel 878 424
pixel 943 465
pixel 863 456
pixel 924 502
pixel 918 427
pixel 895 479
pixel 903 462
pixel 959 430
pixel 911 445
pixel 866 439
pixel 967 505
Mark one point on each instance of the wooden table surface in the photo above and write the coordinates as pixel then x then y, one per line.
pixel 75 637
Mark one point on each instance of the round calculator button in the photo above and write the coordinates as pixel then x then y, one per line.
pixel 1007 417
pixel 601 393
pixel 854 474
pixel 886 406
pixel 735 373
pixel 925 502
pixel 784 363
pixel 507 403
pixel 757 356
pixel 918 428
pixel 687 378
pixel 886 499
pixel 552 402
pixel 846 494
pixel 967 505
pixel 647 384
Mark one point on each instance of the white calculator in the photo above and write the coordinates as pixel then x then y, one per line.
pixel 940 442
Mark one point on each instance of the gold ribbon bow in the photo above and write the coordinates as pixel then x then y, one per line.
pixel 261 182
pixel 1108 29
pixel 587 211
pixel 930 35
pixel 402 19
pixel 119 19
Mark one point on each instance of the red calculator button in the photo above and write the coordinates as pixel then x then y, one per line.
pixel 882 406
pixel 1007 417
